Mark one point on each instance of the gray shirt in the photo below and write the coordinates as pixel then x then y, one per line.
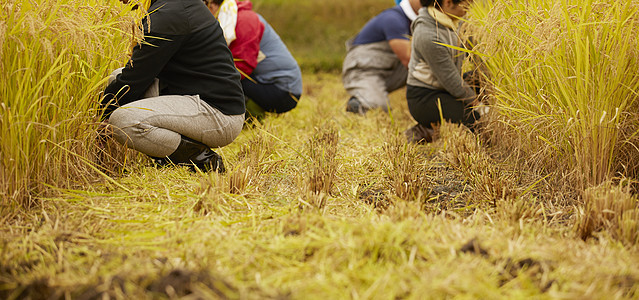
pixel 433 65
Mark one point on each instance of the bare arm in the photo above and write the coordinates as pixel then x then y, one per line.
pixel 401 48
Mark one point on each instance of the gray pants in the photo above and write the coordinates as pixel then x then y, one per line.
pixel 370 72
pixel 154 125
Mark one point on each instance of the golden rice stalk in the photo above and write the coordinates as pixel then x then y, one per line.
pixel 565 76
pixel 404 169
pixel 322 149
pixel 609 208
pixel 54 58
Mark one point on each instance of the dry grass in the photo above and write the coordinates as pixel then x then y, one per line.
pixel 383 228
pixel 319 203
pixel 611 210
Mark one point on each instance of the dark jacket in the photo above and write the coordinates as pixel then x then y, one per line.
pixel 185 49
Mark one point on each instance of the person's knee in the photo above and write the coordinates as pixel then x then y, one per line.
pixel 123 117
pixel 288 105
pixel 226 135
pixel 124 124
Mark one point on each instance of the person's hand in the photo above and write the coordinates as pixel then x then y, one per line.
pixel 471 101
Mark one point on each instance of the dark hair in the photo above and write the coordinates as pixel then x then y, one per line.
pixel 217 2
pixel 426 3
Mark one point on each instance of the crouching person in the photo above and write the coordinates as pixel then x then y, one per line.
pixel 271 78
pixel 180 94
pixel 434 80
pixel 377 58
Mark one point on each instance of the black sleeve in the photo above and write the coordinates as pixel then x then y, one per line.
pixel 147 61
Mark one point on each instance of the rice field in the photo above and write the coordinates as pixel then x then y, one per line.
pixel 318 203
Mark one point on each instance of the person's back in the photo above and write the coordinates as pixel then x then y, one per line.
pixel 278 67
pixel 390 24
pixel 436 87
pixel 271 78
pixel 377 58
pixel 186 54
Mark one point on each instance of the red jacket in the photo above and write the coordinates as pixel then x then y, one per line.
pixel 248 31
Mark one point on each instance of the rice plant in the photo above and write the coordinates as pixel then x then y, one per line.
pixel 380 219
pixel 54 59
pixel 403 168
pixel 565 76
pixel 56 56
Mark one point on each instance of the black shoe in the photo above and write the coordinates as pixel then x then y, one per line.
pixel 419 134
pixel 159 162
pixel 355 106
pixel 194 155
pixel 207 161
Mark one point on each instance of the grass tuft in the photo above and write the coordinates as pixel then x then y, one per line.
pixel 612 210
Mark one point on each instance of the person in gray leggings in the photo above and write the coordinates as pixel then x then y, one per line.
pixel 180 94
pixel 377 58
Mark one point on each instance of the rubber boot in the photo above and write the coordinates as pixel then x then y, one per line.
pixel 195 154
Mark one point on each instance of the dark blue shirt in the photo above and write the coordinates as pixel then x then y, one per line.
pixel 388 25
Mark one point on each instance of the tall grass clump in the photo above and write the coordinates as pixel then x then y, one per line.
pixel 55 56
pixel 611 209
pixel 565 76
pixel 404 169
pixel 320 169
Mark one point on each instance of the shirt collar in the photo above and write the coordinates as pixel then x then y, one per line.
pixel 408 10
pixel 443 18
